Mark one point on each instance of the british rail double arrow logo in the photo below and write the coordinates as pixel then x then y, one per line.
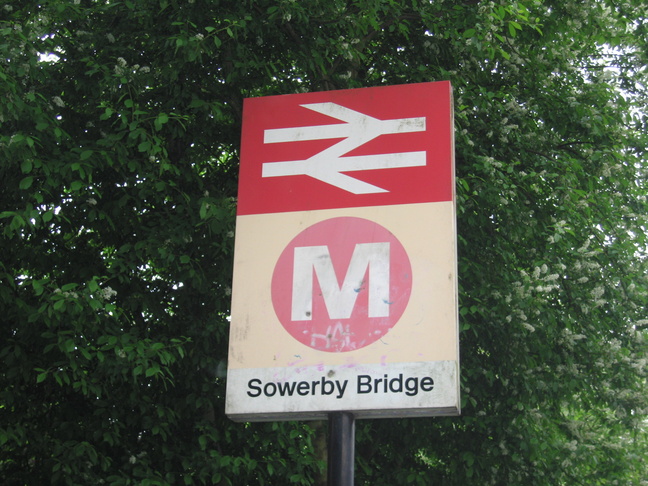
pixel 329 165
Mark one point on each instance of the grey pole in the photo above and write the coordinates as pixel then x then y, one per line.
pixel 341 447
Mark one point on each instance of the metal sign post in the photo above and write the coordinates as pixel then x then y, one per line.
pixel 341 449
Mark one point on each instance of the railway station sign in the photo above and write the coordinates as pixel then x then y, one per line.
pixel 344 295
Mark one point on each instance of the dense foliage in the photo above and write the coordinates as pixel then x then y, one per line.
pixel 120 123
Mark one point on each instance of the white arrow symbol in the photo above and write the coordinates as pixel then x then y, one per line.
pixel 327 166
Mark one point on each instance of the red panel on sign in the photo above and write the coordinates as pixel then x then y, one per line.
pixel 350 148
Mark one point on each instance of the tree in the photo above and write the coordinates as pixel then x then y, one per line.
pixel 120 125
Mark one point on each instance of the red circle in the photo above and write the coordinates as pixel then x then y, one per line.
pixel 354 298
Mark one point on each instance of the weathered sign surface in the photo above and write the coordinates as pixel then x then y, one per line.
pixel 345 284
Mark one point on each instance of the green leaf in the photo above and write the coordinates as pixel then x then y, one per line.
pixel 204 210
pixel 26 182
pixel 59 304
pixel 153 370
pixel 86 354
pixel 513 27
pixel 93 286
pixel 26 166
pixel 161 119
pixel 37 286
pixel 76 185
pixel 106 114
pixel 469 33
pixel 202 441
pixel 144 146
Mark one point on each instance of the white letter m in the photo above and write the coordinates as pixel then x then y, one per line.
pixel 341 300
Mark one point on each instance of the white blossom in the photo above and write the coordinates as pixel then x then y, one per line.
pixel 528 327
pixel 598 292
pixel 108 293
